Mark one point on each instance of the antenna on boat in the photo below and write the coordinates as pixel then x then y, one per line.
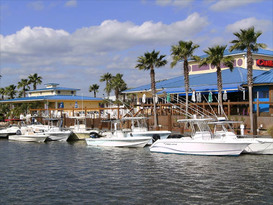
pixel 205 112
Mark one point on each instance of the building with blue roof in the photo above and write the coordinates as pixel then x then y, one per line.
pixel 204 79
pixel 55 97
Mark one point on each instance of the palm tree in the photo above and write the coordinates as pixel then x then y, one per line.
pixel 107 78
pixel 216 58
pixel 10 91
pixel 94 88
pixel 2 93
pixel 247 39
pixel 182 52
pixel 24 84
pixel 35 80
pixel 118 85
pixel 150 61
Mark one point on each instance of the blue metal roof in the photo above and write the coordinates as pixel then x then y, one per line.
pixel 237 76
pixel 53 97
pixel 264 78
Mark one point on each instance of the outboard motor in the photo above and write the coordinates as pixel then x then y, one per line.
pixel 155 137
pixel 94 135
pixel 18 132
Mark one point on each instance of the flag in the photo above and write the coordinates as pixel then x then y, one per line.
pixel 210 97
pixel 168 97
pixel 225 96
pixel 193 99
pixel 144 98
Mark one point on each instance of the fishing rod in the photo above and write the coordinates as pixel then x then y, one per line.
pixel 182 111
pixel 202 111
pixel 221 108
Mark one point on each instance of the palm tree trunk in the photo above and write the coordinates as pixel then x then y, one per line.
pixel 152 75
pixel 250 85
pixel 220 86
pixel 186 82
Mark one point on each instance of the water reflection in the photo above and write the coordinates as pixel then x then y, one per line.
pixel 74 173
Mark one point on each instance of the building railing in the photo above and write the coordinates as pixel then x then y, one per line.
pixel 230 108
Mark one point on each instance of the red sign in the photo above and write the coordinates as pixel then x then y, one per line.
pixel 265 63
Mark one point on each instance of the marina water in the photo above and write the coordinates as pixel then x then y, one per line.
pixel 73 173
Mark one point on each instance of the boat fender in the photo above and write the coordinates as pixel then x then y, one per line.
pixel 94 135
pixel 18 132
pixel 155 137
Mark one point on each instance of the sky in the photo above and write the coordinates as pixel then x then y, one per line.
pixel 75 42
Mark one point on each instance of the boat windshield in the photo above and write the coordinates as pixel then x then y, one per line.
pixel 201 127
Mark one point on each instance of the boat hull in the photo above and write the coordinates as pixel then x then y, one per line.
pixel 199 147
pixel 259 146
pixel 28 138
pixel 57 136
pixel 160 134
pixel 118 142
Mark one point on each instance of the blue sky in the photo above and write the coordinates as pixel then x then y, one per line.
pixel 74 42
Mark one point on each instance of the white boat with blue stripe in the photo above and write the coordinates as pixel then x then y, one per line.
pixel 201 142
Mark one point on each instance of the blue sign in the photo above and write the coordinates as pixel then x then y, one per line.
pixel 61 105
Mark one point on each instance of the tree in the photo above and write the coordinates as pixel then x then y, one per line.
pixel 94 88
pixel 107 78
pixel 2 93
pixel 182 52
pixel 10 91
pixel 216 58
pixel 247 39
pixel 24 84
pixel 35 80
pixel 118 85
pixel 150 61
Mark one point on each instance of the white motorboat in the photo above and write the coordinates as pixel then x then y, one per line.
pixel 26 134
pixel 223 129
pixel 56 134
pixel 139 128
pixel 264 146
pixel 201 142
pixel 79 131
pixel 117 138
pixel 118 142
pixel 11 130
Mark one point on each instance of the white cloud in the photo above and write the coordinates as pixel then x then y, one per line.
pixel 36 5
pixel 262 25
pixel 111 35
pixel 112 46
pixel 177 3
pixel 37 40
pixel 71 3
pixel 223 5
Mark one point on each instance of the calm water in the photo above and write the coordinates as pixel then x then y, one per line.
pixel 72 173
